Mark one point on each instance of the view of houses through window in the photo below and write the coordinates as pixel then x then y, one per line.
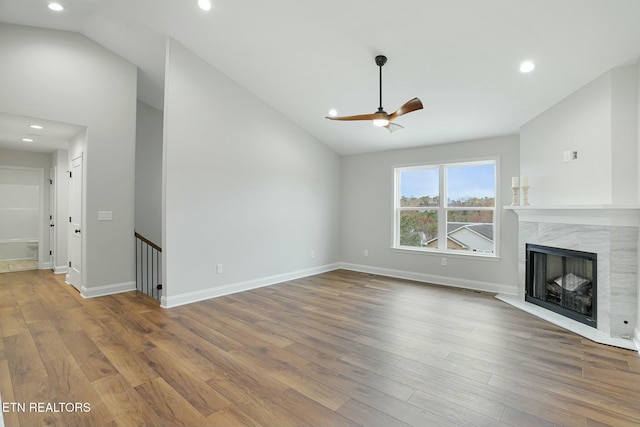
pixel 446 207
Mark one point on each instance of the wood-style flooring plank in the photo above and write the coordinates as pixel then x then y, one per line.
pixel 336 349
pixel 202 397
pixel 24 360
pixel 6 391
pixel 128 363
pixel 230 416
pixel 12 321
pixel 256 399
pixel 90 358
pixel 48 341
pixel 171 407
pixel 291 370
pixel 124 403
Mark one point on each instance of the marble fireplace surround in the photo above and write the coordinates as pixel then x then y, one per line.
pixel 609 231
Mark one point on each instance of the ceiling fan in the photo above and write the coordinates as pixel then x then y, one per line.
pixel 381 118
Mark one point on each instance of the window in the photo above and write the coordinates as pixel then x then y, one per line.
pixel 447 207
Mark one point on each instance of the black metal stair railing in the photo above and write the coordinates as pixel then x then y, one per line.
pixel 148 267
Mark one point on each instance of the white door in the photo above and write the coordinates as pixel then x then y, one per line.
pixel 52 219
pixel 75 224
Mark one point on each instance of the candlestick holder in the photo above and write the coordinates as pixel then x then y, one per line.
pixel 516 196
pixel 525 195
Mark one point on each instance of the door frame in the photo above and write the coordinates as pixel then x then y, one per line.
pixel 40 170
pixel 76 280
pixel 53 220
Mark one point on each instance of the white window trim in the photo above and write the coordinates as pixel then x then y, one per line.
pixel 442 209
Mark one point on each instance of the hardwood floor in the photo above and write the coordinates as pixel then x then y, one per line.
pixel 338 349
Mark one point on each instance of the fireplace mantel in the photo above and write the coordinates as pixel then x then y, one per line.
pixel 613 215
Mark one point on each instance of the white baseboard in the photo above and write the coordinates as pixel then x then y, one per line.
pixel 44 265
pixel 190 297
pixel 100 291
pixel 60 269
pixel 564 322
pixel 432 278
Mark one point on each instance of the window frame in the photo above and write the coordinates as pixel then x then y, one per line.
pixel 442 208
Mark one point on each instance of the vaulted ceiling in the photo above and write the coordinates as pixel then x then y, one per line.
pixel 460 57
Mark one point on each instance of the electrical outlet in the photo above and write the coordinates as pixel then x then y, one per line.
pixel 443 261
pixel 366 252
pixel 313 254
pixel 219 268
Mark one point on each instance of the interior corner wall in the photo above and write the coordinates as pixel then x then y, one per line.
pixel 85 85
pixel 149 173
pixel 367 217
pixel 624 134
pixel 599 122
pixel 243 188
pixel 582 123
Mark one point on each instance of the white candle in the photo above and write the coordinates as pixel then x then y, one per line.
pixel 515 182
pixel 525 181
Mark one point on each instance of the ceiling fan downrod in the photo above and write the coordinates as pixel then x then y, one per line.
pixel 380 61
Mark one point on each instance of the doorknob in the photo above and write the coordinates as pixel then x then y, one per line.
pixel 51 225
pixel 77 230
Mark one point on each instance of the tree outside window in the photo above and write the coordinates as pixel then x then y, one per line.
pixel 446 207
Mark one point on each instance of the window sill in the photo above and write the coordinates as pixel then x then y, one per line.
pixel 449 254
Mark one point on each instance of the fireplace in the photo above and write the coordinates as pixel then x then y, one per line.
pixel 608 231
pixel 563 281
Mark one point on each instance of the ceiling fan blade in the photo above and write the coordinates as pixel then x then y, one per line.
pixel 409 106
pixel 359 117
pixel 393 127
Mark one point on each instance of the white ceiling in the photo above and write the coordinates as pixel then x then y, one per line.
pixel 54 135
pixel 460 57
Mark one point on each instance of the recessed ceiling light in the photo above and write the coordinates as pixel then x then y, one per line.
pixel 333 112
pixel 56 7
pixel 36 127
pixel 205 5
pixel 27 140
pixel 527 66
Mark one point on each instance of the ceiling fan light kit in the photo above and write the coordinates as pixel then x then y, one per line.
pixel 381 118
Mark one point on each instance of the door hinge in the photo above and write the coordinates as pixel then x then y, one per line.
pixel 50 216
pixel 50 252
pixel 70 174
pixel 69 263
pixel 69 219
pixel 51 181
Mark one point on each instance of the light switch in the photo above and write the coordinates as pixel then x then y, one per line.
pixel 105 215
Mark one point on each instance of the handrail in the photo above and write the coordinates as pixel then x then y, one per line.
pixel 147 241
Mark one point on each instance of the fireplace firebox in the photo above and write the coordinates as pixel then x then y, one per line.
pixel 563 281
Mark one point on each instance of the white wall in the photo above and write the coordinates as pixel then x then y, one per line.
pixel 66 77
pixel 149 173
pixel 624 134
pixel 367 217
pixel 243 187
pixel 597 121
